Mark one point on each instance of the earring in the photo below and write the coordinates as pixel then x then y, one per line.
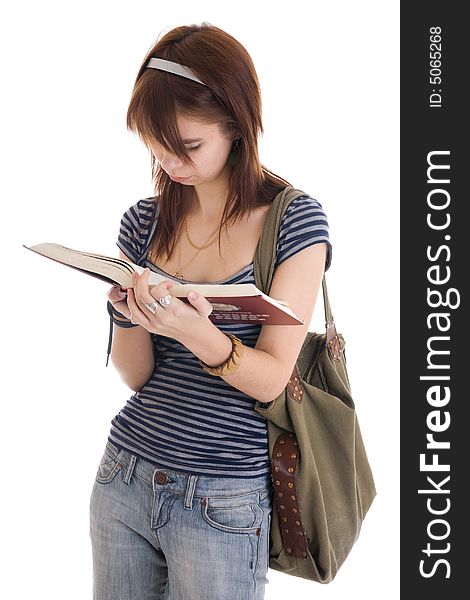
pixel 232 159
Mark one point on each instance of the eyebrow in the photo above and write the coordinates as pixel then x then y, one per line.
pixel 192 140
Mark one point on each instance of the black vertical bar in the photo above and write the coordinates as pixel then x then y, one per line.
pixel 435 258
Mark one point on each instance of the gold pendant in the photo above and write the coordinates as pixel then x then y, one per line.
pixel 178 274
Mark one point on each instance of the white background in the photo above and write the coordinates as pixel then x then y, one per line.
pixel 329 78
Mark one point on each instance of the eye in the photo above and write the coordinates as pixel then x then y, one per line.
pixel 190 149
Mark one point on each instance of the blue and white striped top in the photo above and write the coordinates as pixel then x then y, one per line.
pixel 184 418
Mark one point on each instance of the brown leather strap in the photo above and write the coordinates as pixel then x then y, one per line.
pixel 284 466
pixel 295 386
pixel 332 340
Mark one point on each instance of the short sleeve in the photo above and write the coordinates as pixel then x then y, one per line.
pixel 303 224
pixel 134 229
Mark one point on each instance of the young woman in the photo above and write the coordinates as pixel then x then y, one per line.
pixel 182 501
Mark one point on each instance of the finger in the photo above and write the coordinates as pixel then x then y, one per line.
pixel 155 292
pixel 135 310
pixel 116 293
pixel 200 303
pixel 161 290
pixel 137 285
pixel 142 288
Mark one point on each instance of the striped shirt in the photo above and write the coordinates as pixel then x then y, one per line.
pixel 184 418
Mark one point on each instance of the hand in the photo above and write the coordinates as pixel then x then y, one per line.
pixel 174 320
pixel 117 297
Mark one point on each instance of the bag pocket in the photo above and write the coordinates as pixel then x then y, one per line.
pixel 109 464
pixel 235 514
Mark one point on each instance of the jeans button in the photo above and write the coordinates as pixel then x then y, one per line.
pixel 160 477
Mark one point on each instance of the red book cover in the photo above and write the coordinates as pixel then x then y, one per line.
pixel 248 309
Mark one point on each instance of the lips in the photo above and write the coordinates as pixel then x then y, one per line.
pixel 178 179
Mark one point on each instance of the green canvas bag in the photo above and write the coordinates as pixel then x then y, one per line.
pixel 323 484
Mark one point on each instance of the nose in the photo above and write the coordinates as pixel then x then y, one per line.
pixel 170 162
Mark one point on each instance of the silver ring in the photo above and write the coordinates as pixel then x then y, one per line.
pixel 165 301
pixel 152 307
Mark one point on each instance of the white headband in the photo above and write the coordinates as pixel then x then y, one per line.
pixel 172 67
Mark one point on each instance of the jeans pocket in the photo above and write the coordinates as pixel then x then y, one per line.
pixel 109 464
pixel 236 514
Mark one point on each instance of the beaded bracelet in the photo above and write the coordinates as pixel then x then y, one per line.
pixel 113 313
pixel 233 361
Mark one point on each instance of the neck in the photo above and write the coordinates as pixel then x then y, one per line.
pixel 210 200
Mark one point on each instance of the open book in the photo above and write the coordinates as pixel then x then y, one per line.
pixel 238 302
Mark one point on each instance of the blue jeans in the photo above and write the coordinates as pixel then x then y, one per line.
pixel 158 534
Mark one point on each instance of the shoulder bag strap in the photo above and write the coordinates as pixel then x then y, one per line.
pixel 265 256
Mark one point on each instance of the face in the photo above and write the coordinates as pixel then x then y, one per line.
pixel 208 147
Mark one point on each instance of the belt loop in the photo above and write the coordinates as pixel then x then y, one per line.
pixel 130 469
pixel 190 488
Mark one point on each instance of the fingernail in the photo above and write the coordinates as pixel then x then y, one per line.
pixel 192 295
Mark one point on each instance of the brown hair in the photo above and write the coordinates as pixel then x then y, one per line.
pixel 231 98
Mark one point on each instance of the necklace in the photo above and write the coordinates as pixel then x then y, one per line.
pixel 206 245
pixel 178 273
